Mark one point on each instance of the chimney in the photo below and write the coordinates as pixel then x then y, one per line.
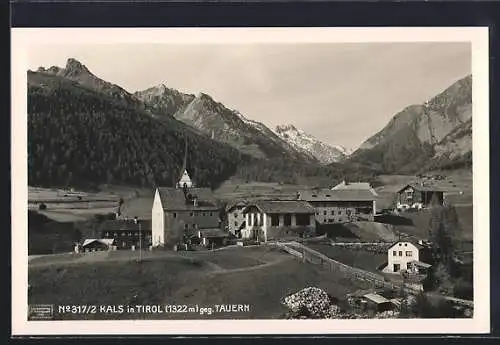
pixel 135 220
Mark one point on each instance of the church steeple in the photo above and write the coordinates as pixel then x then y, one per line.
pixel 185 179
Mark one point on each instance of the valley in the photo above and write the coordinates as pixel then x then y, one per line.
pixel 109 169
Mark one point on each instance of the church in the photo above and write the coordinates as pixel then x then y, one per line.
pixel 181 212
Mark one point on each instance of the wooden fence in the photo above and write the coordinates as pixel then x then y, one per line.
pixel 307 254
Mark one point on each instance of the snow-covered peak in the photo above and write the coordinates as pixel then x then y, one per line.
pixel 325 153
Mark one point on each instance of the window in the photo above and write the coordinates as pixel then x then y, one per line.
pixel 186 226
pixel 330 220
pixel 406 244
pixel 333 213
pixel 400 244
pixel 275 221
pixel 235 223
pixel 328 195
pixel 340 213
pixel 192 214
pixel 235 214
pixel 123 234
pixel 130 234
pixel 400 253
pixel 302 219
pixel 409 253
pixel 106 234
pixel 324 213
pixel 394 253
pixel 175 215
pixel 314 195
pixel 288 220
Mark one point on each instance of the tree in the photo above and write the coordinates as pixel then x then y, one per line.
pixel 443 225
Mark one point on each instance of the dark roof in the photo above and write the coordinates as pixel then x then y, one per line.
pixel 419 246
pixel 421 188
pixel 337 195
pixel 283 206
pixel 125 225
pixel 174 199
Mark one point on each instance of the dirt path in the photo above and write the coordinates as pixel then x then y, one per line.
pixel 110 256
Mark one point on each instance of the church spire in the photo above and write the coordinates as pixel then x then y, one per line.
pixel 184 179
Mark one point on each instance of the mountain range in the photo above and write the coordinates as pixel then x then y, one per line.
pixel 433 135
pixel 306 142
pixel 221 123
pixel 84 129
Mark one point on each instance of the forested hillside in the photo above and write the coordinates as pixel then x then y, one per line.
pixel 79 137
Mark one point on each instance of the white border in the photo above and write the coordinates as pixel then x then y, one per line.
pixel 477 36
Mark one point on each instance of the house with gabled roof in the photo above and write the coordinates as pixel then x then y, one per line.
pixel 273 219
pixel 340 206
pixel 408 255
pixel 97 244
pixel 418 195
pixel 181 212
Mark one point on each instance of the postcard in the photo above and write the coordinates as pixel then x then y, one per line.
pixel 250 181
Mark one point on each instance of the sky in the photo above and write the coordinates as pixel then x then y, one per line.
pixel 342 93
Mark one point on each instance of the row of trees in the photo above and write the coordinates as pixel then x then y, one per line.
pixel 447 274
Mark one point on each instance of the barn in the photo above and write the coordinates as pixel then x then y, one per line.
pixel 418 196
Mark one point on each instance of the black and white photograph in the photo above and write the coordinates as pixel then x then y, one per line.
pixel 207 175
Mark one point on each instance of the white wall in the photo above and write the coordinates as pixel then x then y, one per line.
pixel 402 260
pixel 157 222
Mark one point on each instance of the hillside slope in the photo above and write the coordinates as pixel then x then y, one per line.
pixel 218 122
pixel 416 137
pixel 79 136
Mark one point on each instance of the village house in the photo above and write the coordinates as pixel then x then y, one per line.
pixel 235 217
pixel 340 206
pixel 418 196
pixel 347 185
pixel 210 237
pixel 178 213
pixel 271 219
pixel 97 245
pixel 408 256
pixel 127 232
